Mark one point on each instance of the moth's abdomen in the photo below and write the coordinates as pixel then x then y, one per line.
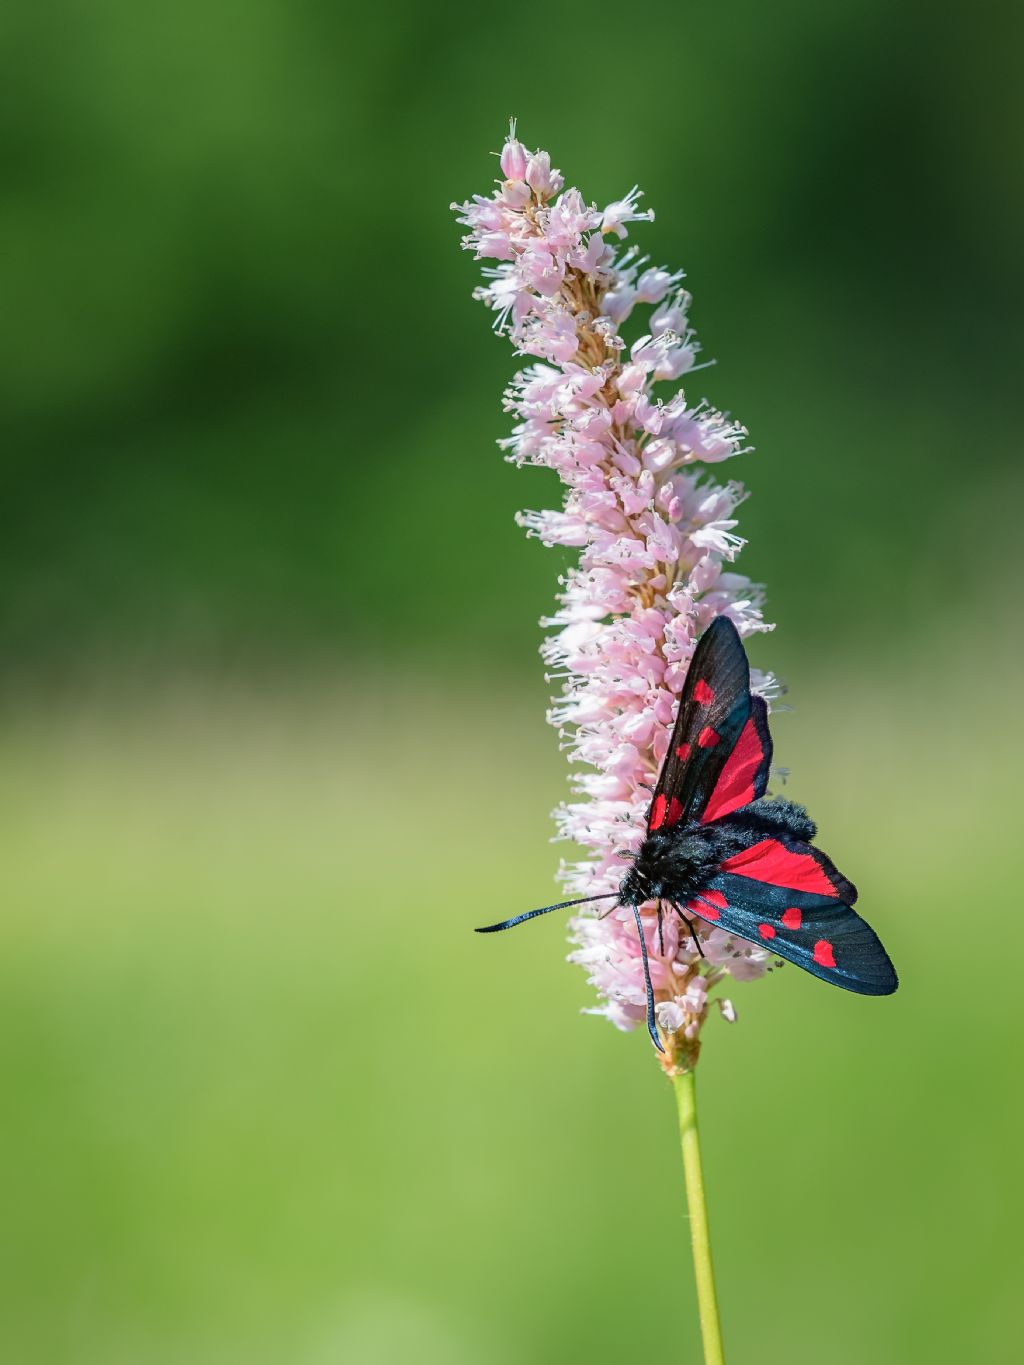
pixel 776 815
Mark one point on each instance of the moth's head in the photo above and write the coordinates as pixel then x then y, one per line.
pixel 638 885
pixel 662 869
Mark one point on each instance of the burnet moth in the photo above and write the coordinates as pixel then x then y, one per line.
pixel 718 850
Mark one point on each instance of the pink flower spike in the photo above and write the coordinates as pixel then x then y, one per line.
pixel 655 536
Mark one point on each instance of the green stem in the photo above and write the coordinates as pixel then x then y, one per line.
pixel 707 1300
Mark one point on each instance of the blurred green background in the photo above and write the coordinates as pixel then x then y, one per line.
pixel 269 632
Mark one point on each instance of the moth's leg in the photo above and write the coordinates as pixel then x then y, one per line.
pixel 691 926
pixel 696 940
pixel 661 938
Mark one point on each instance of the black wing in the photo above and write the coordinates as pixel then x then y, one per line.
pixel 786 895
pixel 720 751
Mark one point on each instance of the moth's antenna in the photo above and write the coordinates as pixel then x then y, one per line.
pixel 544 910
pixel 652 1027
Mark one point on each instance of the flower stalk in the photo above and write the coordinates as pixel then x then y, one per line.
pixel 685 1086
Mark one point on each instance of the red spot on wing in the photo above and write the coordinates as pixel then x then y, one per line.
pixel 770 861
pixel 703 693
pixel 675 810
pixel 793 917
pixel 710 905
pixel 823 954
pixel 708 738
pixel 658 811
pixel 683 752
pixel 766 931
pixel 735 786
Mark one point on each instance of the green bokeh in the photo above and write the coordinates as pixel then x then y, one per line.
pixel 268 634
pixel 249 407
pixel 268 1099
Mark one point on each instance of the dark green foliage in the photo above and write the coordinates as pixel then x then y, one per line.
pixel 249 406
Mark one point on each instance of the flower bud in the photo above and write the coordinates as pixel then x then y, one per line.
pixel 538 173
pixel 513 160
pixel 654 284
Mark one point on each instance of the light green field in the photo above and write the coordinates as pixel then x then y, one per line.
pixel 267 1099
